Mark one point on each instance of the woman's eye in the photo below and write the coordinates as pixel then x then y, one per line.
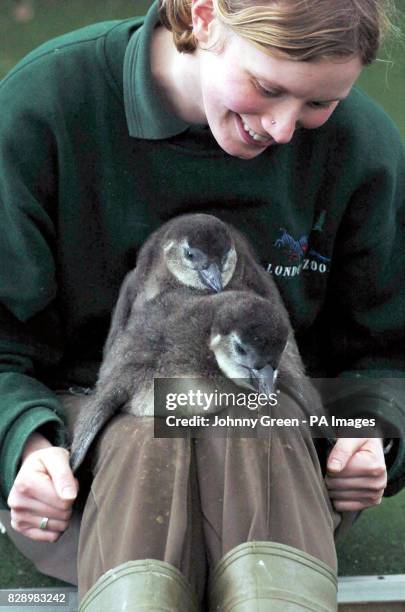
pixel 268 93
pixel 315 104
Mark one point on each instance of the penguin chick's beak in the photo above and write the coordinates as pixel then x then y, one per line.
pixel 264 380
pixel 211 277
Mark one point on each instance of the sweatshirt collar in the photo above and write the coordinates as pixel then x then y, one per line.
pixel 146 112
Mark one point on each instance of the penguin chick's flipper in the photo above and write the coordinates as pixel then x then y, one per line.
pixel 122 309
pixel 105 403
pixel 293 381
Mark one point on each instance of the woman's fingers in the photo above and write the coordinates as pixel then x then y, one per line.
pixel 35 492
pixel 355 500
pixel 40 535
pixel 356 457
pixel 356 483
pixel 24 521
pixel 56 464
pixel 359 494
pixel 31 506
pixel 362 477
pixel 44 488
pixel 353 506
pixel 53 462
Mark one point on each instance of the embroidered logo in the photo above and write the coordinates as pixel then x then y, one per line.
pixel 296 249
pixel 299 255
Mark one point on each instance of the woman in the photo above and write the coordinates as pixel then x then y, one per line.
pixel 243 109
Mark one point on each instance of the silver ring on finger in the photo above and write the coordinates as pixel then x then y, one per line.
pixel 44 523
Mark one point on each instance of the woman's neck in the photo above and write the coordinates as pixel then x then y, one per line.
pixel 177 75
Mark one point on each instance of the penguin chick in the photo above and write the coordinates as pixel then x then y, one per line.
pixel 253 337
pixel 248 338
pixel 194 251
pixel 233 334
pixel 197 251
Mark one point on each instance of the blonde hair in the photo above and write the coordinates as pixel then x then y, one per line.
pixel 297 29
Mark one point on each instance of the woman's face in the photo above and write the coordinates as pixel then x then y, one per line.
pixel 252 100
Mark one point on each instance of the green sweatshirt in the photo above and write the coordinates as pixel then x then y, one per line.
pixel 91 162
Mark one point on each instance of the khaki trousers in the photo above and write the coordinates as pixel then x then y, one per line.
pixel 190 501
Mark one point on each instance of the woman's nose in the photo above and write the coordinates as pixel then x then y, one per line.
pixel 280 125
pixel 284 132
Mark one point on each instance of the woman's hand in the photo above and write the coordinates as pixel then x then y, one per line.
pixel 356 473
pixel 44 487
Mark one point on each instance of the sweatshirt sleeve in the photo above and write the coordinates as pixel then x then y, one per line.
pixel 364 314
pixel 31 339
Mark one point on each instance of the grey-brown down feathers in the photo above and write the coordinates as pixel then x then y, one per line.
pixel 169 322
pixel 234 334
pixel 194 251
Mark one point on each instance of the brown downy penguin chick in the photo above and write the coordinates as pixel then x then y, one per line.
pixel 234 334
pixel 195 251
pixel 237 345
pixel 202 253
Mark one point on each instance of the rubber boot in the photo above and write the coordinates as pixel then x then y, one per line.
pixel 272 577
pixel 140 585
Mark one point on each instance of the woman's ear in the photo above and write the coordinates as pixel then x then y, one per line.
pixel 202 15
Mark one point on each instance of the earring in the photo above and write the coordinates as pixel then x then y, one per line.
pixel 273 122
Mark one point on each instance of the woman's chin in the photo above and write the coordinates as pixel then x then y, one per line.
pixel 238 149
pixel 236 146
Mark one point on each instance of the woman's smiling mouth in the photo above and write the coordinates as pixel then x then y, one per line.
pixel 250 136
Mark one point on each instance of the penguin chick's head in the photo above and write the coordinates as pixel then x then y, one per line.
pixel 248 337
pixel 199 252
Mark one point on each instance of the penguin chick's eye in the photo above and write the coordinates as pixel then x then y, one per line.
pixel 194 256
pixel 239 349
